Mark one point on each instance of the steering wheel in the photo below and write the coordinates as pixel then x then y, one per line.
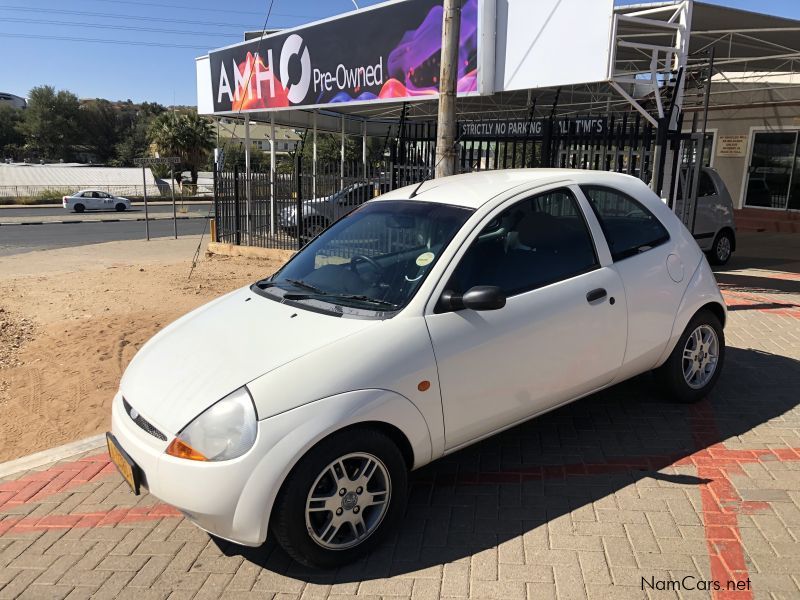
pixel 359 258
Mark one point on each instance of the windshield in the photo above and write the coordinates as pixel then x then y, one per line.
pixel 372 260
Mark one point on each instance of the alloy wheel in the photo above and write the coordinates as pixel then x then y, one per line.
pixel 700 356
pixel 723 248
pixel 348 501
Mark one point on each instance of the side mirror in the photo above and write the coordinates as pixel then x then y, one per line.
pixel 480 297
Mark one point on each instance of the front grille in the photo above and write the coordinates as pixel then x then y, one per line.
pixel 142 422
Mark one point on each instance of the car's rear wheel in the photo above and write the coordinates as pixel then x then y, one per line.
pixel 79 208
pixel 694 366
pixel 341 499
pixel 722 249
pixel 120 207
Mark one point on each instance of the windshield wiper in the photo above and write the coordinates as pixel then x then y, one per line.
pixel 302 284
pixel 325 295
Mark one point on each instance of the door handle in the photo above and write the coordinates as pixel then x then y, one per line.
pixel 595 295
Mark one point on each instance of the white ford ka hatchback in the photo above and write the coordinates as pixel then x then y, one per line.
pixel 424 321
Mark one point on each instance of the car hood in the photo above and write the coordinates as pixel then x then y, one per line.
pixel 219 347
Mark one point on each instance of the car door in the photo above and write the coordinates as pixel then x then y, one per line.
pixel 651 269
pixel 94 200
pixel 561 333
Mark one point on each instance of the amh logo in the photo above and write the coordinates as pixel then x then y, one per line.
pixel 295 68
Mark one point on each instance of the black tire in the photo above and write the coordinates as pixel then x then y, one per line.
pixel 722 249
pixel 670 375
pixel 79 208
pixel 120 207
pixel 288 521
pixel 312 227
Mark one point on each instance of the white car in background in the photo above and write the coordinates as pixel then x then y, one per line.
pixel 420 323
pixel 95 200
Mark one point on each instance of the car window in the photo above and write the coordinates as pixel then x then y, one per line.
pixel 376 257
pixel 705 186
pixel 355 196
pixel 535 242
pixel 628 226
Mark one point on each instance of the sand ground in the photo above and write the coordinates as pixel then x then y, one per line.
pixel 71 320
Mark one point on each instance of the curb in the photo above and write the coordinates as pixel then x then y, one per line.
pixel 52 455
pixel 73 221
pixel 223 249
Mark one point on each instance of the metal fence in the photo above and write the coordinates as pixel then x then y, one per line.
pixel 303 202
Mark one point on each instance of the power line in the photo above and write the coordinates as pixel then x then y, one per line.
pixel 101 41
pixel 117 27
pixel 197 8
pixel 123 17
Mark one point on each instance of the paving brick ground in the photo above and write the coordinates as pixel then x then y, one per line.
pixel 585 502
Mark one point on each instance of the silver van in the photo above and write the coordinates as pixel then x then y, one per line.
pixel 714 226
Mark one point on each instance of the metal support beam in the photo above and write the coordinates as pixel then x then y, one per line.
pixel 272 173
pixel 314 157
pixel 341 159
pixel 364 147
pixel 247 187
pixel 634 103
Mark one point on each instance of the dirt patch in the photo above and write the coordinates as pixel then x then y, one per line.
pixel 68 337
pixel 15 331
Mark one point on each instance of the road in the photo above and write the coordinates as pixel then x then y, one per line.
pixel 16 239
pixel 152 209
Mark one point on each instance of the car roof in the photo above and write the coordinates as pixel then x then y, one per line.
pixel 473 190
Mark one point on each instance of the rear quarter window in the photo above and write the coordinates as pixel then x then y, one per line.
pixel 629 227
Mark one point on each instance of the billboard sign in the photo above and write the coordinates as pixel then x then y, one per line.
pixel 388 52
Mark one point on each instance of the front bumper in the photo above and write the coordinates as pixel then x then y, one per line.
pixel 210 494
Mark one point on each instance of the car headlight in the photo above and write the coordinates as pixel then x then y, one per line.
pixel 224 431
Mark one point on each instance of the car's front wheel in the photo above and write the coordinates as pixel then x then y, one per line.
pixel 341 499
pixel 120 207
pixel 694 366
pixel 312 227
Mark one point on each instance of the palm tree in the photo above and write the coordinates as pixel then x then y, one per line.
pixel 187 135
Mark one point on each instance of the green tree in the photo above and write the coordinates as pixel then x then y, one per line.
pixel 329 149
pixel 187 135
pixel 10 137
pixel 98 122
pixel 134 124
pixel 50 124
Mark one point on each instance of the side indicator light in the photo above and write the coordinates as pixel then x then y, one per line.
pixel 424 385
pixel 181 449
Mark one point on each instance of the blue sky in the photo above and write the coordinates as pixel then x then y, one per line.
pixel 156 69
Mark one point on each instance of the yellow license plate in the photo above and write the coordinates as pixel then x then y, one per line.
pixel 123 462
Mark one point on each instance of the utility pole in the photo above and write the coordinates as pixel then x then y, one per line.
pixel 448 79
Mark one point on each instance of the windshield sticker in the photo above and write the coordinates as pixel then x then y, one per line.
pixel 424 259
